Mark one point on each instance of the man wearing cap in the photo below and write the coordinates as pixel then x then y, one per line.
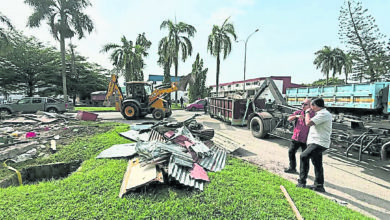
pixel 318 141
pixel 301 130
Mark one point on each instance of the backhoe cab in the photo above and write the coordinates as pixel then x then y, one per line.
pixel 141 100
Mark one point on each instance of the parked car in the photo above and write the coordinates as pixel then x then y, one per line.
pixel 34 104
pixel 197 105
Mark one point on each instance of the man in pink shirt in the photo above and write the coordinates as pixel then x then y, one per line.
pixel 301 130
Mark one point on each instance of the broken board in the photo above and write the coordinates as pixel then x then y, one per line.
pixel 137 175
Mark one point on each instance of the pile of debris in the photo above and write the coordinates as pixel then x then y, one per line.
pixel 180 152
pixel 27 136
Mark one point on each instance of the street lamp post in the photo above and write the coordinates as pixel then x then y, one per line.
pixel 246 42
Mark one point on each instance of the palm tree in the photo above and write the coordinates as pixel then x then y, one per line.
pixel 121 56
pixel 129 57
pixel 345 63
pixel 66 19
pixel 7 22
pixel 325 60
pixel 165 60
pixel 176 41
pixel 142 44
pixel 219 41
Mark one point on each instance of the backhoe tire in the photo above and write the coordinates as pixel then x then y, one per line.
pixel 168 114
pixel 257 127
pixel 158 114
pixel 130 111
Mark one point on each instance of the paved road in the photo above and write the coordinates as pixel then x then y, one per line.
pixel 363 186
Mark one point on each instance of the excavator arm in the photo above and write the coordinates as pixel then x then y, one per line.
pixel 162 91
pixel 114 88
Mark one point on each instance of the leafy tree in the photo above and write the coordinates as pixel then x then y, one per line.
pixel 331 81
pixel 7 82
pixel 142 45
pixel 177 42
pixel 325 59
pixel 219 41
pixel 36 65
pixel 165 52
pixel 7 22
pixel 198 88
pixel 66 19
pixel 346 65
pixel 129 57
pixel 359 31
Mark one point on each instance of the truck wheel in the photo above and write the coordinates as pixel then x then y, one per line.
pixel 130 111
pixel 4 112
pixel 52 110
pixel 158 114
pixel 257 127
pixel 168 114
pixel 193 109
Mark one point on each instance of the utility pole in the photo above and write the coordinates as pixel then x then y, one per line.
pixel 246 42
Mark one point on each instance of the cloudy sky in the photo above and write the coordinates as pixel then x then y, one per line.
pixel 290 32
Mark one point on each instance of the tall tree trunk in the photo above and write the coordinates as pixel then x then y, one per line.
pixel 327 77
pixel 218 62
pixel 176 69
pixel 63 67
pixel 167 72
pixel 74 74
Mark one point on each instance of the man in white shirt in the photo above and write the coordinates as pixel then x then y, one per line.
pixel 318 141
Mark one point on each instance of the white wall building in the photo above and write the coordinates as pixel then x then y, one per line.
pixel 251 85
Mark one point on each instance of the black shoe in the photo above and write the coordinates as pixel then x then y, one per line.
pixel 301 185
pixel 290 170
pixel 318 188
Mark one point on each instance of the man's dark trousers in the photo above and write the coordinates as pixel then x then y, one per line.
pixel 294 146
pixel 313 152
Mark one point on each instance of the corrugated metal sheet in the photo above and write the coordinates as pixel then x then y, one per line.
pixel 216 162
pixel 155 136
pixel 182 175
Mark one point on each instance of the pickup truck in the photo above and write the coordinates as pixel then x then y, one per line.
pixel 32 105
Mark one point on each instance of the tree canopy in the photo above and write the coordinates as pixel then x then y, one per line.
pixel 364 41
pixel 66 20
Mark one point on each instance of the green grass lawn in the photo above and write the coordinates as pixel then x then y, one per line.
pixel 240 191
pixel 95 109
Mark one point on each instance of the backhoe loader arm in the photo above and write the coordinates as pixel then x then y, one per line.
pixel 113 87
pixel 157 93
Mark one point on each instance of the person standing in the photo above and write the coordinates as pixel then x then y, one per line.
pixel 205 106
pixel 318 141
pixel 181 102
pixel 298 140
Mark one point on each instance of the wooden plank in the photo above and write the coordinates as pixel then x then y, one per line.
pixel 290 201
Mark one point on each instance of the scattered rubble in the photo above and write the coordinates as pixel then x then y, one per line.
pixel 27 136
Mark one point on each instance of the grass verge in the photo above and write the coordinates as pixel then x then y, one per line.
pixel 240 191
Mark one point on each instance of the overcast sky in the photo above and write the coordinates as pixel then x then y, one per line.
pixel 290 32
